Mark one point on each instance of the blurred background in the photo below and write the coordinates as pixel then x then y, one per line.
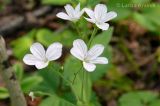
pixel 132 78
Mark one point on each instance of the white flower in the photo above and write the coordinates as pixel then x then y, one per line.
pixel 100 16
pixel 31 94
pixel 89 58
pixel 72 14
pixel 40 58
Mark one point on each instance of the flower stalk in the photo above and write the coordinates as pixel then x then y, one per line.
pixel 92 36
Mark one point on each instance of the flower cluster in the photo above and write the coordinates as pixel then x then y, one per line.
pixel 99 16
pixel 41 57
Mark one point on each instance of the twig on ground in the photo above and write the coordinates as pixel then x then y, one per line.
pixel 9 77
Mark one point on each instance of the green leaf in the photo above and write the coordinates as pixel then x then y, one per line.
pixel 18 68
pixel 92 3
pixel 152 14
pixel 120 7
pixel 140 1
pixel 137 98
pixel 55 2
pixel 155 103
pixel 144 22
pixel 147 96
pixel 30 82
pixel 51 80
pixel 21 45
pixel 72 66
pixel 104 39
pixel 47 37
pixel 103 68
pixel 55 101
pixel 3 93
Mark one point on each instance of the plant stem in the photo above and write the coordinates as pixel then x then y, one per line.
pixel 75 74
pixel 92 36
pixel 86 83
pixel 82 89
pixel 77 29
pixel 68 81
pixel 61 75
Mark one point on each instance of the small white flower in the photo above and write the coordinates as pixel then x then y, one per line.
pixel 31 94
pixel 72 14
pixel 41 58
pixel 89 57
pixel 100 16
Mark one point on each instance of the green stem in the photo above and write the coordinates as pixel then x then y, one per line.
pixel 77 29
pixel 87 88
pixel 61 75
pixel 92 36
pixel 75 74
pixel 82 89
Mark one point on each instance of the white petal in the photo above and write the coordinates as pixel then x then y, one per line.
pixel 70 10
pixel 103 26
pixel 90 13
pixel 100 10
pixel 110 16
pixel 38 51
pixel 95 51
pixel 90 20
pixel 29 59
pixel 100 60
pixel 75 52
pixel 77 9
pixel 63 16
pixel 41 64
pixel 54 51
pixel 89 66
pixel 79 49
pixel 80 13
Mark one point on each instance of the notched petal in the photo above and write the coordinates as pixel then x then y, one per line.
pixel 38 51
pixel 54 51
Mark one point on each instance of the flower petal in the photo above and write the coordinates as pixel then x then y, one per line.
pixel 41 64
pixel 29 59
pixel 77 9
pixel 63 15
pixel 90 13
pixel 79 49
pixel 100 60
pixel 103 26
pixel 90 20
pixel 89 66
pixel 38 51
pixel 109 16
pixel 70 10
pixel 99 11
pixel 80 13
pixel 95 51
pixel 54 51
